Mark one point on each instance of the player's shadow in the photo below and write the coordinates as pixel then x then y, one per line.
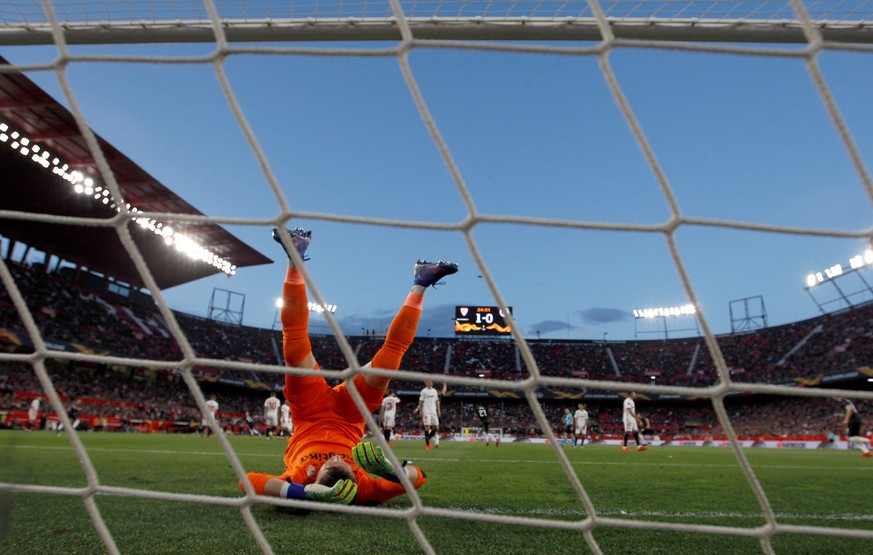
pixel 293 511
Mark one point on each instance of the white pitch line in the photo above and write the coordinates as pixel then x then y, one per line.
pixel 657 463
pixel 664 514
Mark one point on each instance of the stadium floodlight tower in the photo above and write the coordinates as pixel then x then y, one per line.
pixel 276 319
pixel 748 314
pixel 662 315
pixel 848 284
pixel 226 306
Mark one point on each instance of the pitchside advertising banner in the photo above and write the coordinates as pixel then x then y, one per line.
pixel 481 320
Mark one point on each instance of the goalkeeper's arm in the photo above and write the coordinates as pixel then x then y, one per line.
pixel 343 491
pixel 371 459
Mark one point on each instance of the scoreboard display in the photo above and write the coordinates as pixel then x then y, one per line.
pixel 481 320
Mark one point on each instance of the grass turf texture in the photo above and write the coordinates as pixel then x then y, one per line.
pixel 668 485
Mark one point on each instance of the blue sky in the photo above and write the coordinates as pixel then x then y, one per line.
pixel 740 138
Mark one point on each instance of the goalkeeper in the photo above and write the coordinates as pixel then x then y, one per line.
pixel 324 460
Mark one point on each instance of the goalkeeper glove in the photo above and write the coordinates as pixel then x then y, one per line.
pixel 342 492
pixel 371 458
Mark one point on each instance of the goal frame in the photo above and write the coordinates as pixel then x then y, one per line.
pixel 437 28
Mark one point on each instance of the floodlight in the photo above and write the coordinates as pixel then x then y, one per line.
pixel 834 271
pixel 663 312
pixel 85 185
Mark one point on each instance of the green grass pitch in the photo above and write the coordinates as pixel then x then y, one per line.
pixel 690 485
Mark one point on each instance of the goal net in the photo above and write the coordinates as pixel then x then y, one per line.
pixel 449 169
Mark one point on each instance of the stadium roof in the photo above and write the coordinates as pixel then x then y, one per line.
pixel 31 188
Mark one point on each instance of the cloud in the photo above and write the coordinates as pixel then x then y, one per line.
pixel 603 315
pixel 440 320
pixel 377 321
pixel 547 326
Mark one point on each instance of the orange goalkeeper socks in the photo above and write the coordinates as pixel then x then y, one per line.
pixel 400 335
pixel 295 319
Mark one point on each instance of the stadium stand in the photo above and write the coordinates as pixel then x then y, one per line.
pixel 831 349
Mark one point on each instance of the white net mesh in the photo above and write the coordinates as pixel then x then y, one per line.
pixel 820 26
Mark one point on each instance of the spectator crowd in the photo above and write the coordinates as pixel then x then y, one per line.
pixel 71 316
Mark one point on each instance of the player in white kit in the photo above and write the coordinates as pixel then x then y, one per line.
pixel 271 415
pixel 629 418
pixel 388 414
pixel 429 407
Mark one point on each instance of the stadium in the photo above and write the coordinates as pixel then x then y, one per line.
pixel 747 451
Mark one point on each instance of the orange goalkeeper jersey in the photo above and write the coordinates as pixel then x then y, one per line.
pixel 327 423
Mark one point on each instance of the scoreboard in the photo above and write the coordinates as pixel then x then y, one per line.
pixel 480 320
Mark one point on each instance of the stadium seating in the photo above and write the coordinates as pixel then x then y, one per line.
pixel 71 316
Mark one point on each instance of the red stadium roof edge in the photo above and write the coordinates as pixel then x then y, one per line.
pixel 28 187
